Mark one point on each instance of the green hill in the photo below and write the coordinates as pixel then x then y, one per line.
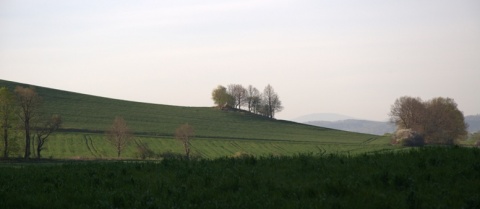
pixel 91 115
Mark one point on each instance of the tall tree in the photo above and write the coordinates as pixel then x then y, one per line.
pixel 7 108
pixel 252 98
pixel 221 98
pixel 184 134
pixel 238 93
pixel 119 135
pixel 43 131
pixel 445 124
pixel 29 103
pixel 271 101
pixel 408 113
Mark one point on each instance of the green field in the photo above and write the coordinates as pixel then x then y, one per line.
pixel 434 177
pixel 218 133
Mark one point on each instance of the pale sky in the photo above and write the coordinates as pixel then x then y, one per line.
pixel 349 57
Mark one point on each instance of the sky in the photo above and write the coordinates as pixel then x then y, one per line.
pixel 345 56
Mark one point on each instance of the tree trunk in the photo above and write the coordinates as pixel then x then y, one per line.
pixel 27 139
pixel 187 150
pixel 5 137
pixel 38 152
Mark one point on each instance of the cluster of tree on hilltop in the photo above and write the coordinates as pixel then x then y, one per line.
pixel 236 96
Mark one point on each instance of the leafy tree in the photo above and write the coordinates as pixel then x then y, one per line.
pixel 44 131
pixel 29 103
pixel 119 135
pixel 238 93
pixel 184 134
pixel 444 123
pixel 438 120
pixel 7 109
pixel 272 103
pixel 221 97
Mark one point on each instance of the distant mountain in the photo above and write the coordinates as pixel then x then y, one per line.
pixel 321 117
pixel 375 127
pixel 359 126
pixel 473 123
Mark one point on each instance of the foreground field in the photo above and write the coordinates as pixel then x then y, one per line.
pixel 423 178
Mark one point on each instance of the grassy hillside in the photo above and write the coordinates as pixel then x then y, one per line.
pixel 86 114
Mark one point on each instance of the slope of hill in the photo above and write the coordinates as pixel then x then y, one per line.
pixel 218 133
pixel 95 114
pixel 360 126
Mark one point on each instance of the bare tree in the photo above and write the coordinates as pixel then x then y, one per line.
pixel 44 131
pixel 119 135
pixel 221 98
pixel 252 98
pixel 272 103
pixel 184 134
pixel 7 108
pixel 408 113
pixel 238 93
pixel 29 103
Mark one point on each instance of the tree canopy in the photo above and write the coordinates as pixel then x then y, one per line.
pixel 437 120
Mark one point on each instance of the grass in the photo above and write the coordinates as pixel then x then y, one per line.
pixel 91 146
pixel 218 133
pixel 435 177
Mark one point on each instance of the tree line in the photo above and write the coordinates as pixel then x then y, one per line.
pixel 21 110
pixel 265 103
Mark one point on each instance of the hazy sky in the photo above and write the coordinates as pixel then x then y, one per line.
pixel 341 56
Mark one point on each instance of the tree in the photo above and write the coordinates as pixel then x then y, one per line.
pixel 184 134
pixel 119 135
pixel 238 93
pixel 445 124
pixel 29 103
pixel 438 120
pixel 221 97
pixel 408 113
pixel 44 131
pixel 7 109
pixel 252 98
pixel 272 103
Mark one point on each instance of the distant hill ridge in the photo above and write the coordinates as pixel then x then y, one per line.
pixel 360 126
pixel 380 128
pixel 473 122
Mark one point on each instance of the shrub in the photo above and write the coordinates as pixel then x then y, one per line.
pixel 407 137
pixel 144 151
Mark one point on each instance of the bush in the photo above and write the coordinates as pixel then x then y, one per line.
pixel 407 137
pixel 144 151
pixel 477 144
